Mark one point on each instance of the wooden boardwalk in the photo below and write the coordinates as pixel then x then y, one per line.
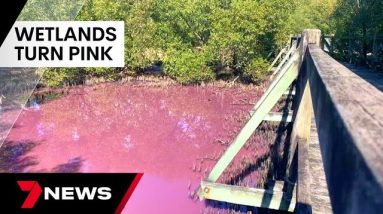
pixel 347 107
pixel 336 138
pixel 319 195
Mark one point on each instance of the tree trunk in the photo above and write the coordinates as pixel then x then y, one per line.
pixel 364 47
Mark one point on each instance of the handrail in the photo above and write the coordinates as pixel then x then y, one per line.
pixel 348 112
pixel 348 115
pixel 284 60
pixel 276 59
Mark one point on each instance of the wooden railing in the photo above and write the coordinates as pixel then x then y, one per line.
pixel 348 115
pixel 349 118
pixel 284 76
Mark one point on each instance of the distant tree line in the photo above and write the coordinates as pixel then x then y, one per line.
pixel 358 28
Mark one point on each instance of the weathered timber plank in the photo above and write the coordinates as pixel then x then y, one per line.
pixel 319 195
pixel 313 36
pixel 304 205
pixel 349 120
pixel 302 102
pixel 276 200
pixel 300 138
pixel 312 194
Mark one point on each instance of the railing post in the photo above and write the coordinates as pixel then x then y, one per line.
pixel 313 36
pixel 302 101
pixel 300 136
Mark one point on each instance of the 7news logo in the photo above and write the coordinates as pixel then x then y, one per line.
pixel 67 193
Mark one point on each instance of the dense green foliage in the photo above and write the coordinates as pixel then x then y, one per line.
pixel 196 40
pixel 313 14
pixel 50 10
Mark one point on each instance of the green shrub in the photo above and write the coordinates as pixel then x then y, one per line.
pixel 187 67
pixel 256 71
pixel 106 73
pixel 194 38
pixel 54 77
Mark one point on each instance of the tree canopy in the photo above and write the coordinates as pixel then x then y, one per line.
pixel 198 40
pixel 356 24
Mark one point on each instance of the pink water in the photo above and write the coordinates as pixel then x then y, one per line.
pixel 173 135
